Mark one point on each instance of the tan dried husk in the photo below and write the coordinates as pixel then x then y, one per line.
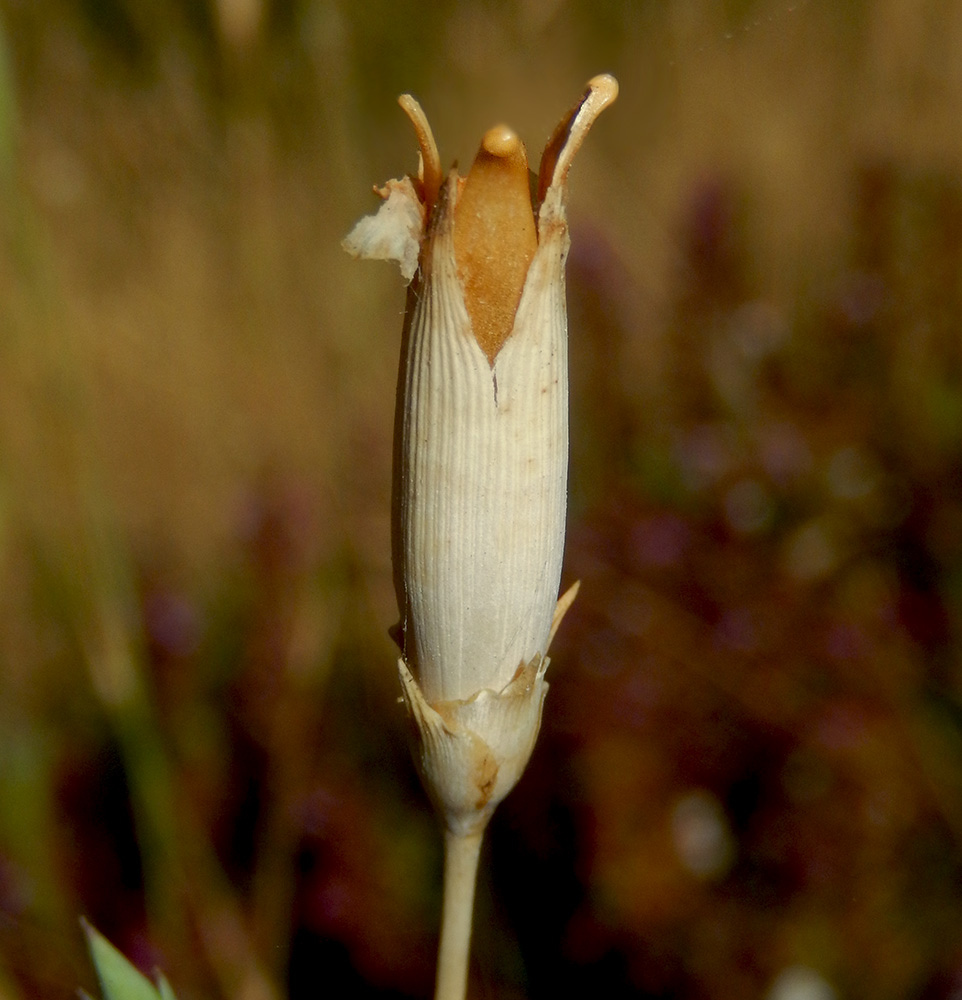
pixel 481 478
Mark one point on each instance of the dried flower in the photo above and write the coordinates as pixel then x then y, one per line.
pixel 481 454
pixel 480 479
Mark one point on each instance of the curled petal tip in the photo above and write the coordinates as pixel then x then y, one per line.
pixel 604 87
pixel 430 173
pixel 601 91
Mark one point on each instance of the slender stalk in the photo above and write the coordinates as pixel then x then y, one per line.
pixel 461 854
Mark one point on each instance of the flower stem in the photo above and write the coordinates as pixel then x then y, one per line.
pixel 460 875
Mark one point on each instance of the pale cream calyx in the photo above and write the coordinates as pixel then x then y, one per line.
pixel 481 449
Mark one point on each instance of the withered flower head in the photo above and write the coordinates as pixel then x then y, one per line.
pixel 482 446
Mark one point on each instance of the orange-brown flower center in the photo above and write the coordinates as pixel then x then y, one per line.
pixel 494 237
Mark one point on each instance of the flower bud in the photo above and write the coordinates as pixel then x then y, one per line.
pixel 481 450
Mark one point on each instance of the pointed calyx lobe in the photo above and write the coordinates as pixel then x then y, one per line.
pixel 494 237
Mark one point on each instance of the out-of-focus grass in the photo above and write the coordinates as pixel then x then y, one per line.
pixel 199 746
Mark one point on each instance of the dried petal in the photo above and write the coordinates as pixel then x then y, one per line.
pixel 494 237
pixel 395 232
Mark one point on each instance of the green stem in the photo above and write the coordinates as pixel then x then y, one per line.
pixel 460 875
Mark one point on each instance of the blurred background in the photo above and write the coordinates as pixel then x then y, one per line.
pixel 749 781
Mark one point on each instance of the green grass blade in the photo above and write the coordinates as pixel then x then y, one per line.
pixel 164 988
pixel 119 979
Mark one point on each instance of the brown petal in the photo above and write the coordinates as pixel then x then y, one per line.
pixel 494 237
